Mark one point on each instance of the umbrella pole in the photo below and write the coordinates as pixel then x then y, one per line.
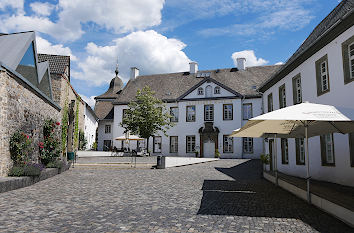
pixel 307 165
pixel 275 159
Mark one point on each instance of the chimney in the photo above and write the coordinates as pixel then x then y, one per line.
pixel 193 67
pixel 134 72
pixel 241 63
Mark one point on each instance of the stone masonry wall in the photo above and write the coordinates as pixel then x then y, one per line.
pixel 20 109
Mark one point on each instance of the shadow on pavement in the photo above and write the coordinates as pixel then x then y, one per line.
pixel 248 194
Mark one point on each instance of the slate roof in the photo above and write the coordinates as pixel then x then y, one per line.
pixel 115 86
pixel 170 87
pixel 104 110
pixel 57 63
pixel 343 9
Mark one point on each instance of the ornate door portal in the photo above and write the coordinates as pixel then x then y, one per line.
pixel 208 140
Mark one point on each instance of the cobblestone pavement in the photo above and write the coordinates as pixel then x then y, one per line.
pixel 222 196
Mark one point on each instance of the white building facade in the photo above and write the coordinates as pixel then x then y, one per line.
pixel 206 107
pixel 91 124
pixel 321 71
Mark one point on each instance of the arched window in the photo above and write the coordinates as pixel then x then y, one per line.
pixel 217 90
pixel 208 91
pixel 200 91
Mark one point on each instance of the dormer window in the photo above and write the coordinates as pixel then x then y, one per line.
pixel 200 91
pixel 27 66
pixel 217 90
pixel 208 91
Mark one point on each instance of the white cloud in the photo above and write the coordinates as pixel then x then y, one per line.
pixel 251 59
pixel 44 46
pixel 13 4
pixel 150 51
pixel 279 63
pixel 42 8
pixel 120 16
pixel 89 100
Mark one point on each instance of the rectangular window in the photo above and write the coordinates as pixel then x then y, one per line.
pixel 247 111
pixel 174 114
pixel 190 113
pixel 124 113
pixel 107 144
pixel 300 151
pixel 322 75
pixel 282 96
pixel 327 150
pixel 228 112
pixel 297 92
pixel 348 59
pixel 157 144
pixel 270 102
pixel 284 151
pixel 351 148
pixel 208 112
pixel 173 144
pixel 247 145
pixel 107 129
pixel 190 145
pixel 228 144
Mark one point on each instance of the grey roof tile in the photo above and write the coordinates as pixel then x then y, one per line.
pixel 57 63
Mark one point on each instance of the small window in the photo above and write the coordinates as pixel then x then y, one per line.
pixel 322 75
pixel 297 92
pixel 300 151
pixel 124 114
pixel 190 114
pixel 157 144
pixel 327 150
pixel 348 60
pixel 200 91
pixel 284 151
pixel 208 91
pixel 247 145
pixel 217 90
pixel 190 145
pixel 247 111
pixel 107 128
pixel 208 112
pixel 282 96
pixel 228 112
pixel 173 144
pixel 228 144
pixel 270 102
pixel 174 114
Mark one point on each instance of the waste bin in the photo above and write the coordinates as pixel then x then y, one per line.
pixel 70 155
pixel 159 162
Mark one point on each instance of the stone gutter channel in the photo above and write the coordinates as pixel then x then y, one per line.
pixel 12 183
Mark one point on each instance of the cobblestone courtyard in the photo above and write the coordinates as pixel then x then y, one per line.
pixel 223 196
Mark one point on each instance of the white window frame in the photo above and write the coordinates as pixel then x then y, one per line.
pixel 282 97
pixel 190 143
pixel 228 112
pixel 228 144
pixel 217 90
pixel 209 112
pixel 298 91
pixel 351 61
pixel 200 91
pixel 301 150
pixel 157 147
pixel 247 111
pixel 107 129
pixel 174 116
pixel 247 145
pixel 285 145
pixel 190 115
pixel 328 138
pixel 324 76
pixel 173 144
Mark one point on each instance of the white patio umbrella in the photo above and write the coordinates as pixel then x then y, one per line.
pixel 130 138
pixel 300 121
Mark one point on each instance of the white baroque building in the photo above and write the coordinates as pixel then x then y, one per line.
pixel 91 124
pixel 320 71
pixel 206 107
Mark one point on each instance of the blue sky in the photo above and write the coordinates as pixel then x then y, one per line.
pixel 160 36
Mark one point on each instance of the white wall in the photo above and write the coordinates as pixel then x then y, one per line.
pixel 91 125
pixel 339 95
pixel 101 133
pixel 183 128
pixel 223 92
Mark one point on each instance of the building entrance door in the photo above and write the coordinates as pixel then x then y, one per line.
pixel 209 149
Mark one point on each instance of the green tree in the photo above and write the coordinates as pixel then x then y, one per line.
pixel 146 116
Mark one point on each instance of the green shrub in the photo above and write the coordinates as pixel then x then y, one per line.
pixel 49 149
pixel 55 164
pixel 217 153
pixel 265 158
pixel 20 147
pixel 17 171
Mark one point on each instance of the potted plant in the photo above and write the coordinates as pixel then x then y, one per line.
pixel 217 153
pixel 265 161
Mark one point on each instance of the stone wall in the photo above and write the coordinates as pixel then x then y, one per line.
pixel 21 108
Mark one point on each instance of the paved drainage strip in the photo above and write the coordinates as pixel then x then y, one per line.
pixel 12 183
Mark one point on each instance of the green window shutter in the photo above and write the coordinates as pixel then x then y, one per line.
pixel 345 57
pixel 323 150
